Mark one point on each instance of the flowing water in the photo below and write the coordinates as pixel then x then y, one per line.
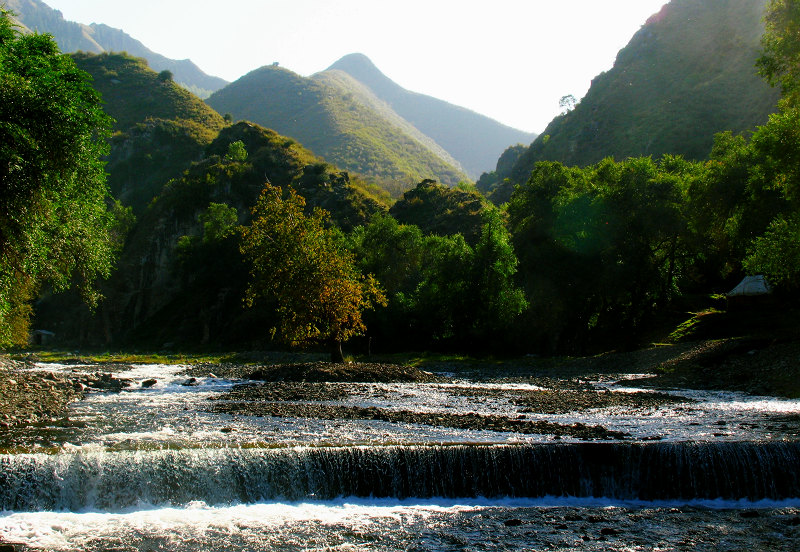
pixel 155 468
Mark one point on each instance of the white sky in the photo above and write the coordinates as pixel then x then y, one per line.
pixel 509 59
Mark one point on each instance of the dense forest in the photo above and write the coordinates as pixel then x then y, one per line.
pixel 231 235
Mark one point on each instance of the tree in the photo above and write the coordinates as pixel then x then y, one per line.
pixel 297 259
pixel 54 222
pixel 777 253
pixel 497 300
pixel 442 291
pixel 780 60
pixel 219 221
pixel 567 103
pixel 237 152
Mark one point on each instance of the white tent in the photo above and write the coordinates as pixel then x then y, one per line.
pixel 751 286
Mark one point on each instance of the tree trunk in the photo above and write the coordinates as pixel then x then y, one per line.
pixel 336 352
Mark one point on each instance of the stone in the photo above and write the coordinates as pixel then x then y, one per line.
pixel 149 383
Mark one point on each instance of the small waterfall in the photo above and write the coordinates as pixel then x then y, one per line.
pixel 113 481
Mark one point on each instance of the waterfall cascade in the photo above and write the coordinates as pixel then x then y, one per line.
pixel 114 481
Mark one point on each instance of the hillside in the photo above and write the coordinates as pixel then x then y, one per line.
pixel 475 140
pixel 97 38
pixel 160 127
pixel 686 75
pixel 338 119
pixel 180 277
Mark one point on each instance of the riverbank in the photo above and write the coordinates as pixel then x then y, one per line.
pixel 30 398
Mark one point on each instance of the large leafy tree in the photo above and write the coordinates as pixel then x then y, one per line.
pixel 780 60
pixel 54 223
pixel 297 260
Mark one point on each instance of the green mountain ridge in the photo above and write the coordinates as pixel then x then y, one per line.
pixel 361 93
pixel 339 120
pixel 160 128
pixel 37 16
pixel 475 140
pixel 687 74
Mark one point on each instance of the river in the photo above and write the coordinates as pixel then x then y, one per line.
pixel 158 467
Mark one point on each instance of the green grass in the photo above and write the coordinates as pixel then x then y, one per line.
pixel 178 357
pixel 121 357
pixel 690 328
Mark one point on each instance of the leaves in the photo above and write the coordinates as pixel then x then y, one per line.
pixel 54 222
pixel 298 260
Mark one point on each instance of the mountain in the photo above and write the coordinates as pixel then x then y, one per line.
pixel 171 161
pixel 180 277
pixel 160 127
pixel 475 140
pixel 37 16
pixel 340 119
pixel 687 74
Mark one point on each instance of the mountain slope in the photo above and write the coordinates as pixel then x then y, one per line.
pixel 179 281
pixel 687 74
pixel 98 38
pixel 160 127
pixel 475 140
pixel 338 119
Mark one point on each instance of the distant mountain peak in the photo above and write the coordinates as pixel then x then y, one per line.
pixel 355 58
pixel 454 128
pixel 99 38
pixel 361 68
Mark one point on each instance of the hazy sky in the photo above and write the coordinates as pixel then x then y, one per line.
pixel 509 59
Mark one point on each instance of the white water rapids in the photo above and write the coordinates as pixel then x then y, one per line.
pixel 141 425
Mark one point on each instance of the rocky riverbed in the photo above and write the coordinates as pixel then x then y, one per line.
pixel 29 397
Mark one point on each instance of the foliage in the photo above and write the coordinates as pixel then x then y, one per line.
pixel 442 210
pixel 776 253
pixel 441 291
pixel 780 59
pixel 160 127
pixel 299 261
pixel 54 225
pixel 496 298
pixel 219 221
pixel 181 277
pixel 599 247
pixel 237 152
